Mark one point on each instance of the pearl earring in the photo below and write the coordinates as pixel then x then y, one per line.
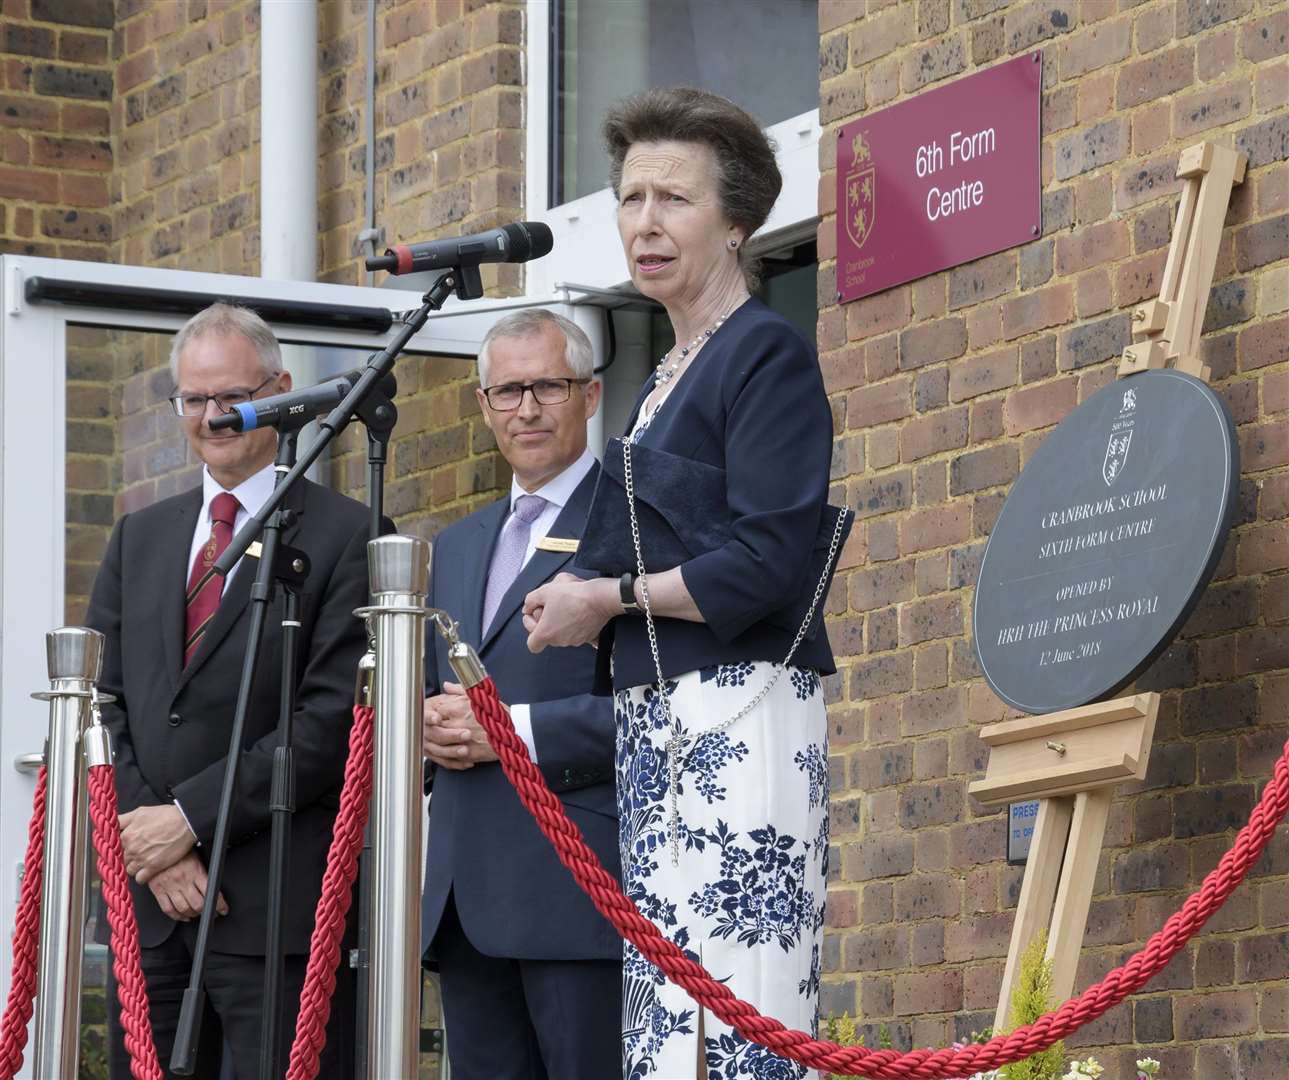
pixel 733 245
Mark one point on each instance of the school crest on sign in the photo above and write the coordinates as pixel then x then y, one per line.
pixel 1116 456
pixel 861 192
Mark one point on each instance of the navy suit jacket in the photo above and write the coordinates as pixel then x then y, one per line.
pixel 513 896
pixel 754 405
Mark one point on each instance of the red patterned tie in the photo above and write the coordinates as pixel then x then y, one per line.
pixel 203 601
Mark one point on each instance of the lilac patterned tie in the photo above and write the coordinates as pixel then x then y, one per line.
pixel 508 559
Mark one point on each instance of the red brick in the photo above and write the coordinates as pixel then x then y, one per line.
pixel 28 113
pixel 1211 108
pixel 1262 242
pixel 932 710
pixel 982 280
pixel 1090 148
pixel 936 527
pixel 938 991
pixel 1266 38
pixel 1039 406
pixel 878 314
pixel 880 35
pixel 932 434
pixel 1092 245
pixel 880 676
pixel 1144 80
pixel 1038 310
pixel 1216 1016
pixel 1138 279
pixel 925 620
pixel 983 374
pixel 26 184
pixel 1264 548
pixel 880 404
pixel 1264 343
pixel 1275 392
pixel 981 936
pixel 880 586
pixel 1264 446
pixel 1100 45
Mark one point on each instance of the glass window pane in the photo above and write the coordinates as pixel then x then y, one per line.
pixel 766 59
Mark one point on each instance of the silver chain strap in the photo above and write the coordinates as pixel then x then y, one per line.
pixel 678 740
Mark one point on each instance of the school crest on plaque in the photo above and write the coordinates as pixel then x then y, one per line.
pixel 1116 451
pixel 861 192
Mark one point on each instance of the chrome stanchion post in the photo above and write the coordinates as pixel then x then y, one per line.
pixel 75 656
pixel 399 568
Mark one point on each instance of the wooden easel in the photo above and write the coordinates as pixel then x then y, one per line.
pixel 1072 760
pixel 1168 328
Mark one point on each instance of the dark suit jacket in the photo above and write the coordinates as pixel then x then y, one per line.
pixel 170 725
pixel 512 894
pixel 754 405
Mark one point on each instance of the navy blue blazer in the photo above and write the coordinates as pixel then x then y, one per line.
pixel 753 403
pixel 513 896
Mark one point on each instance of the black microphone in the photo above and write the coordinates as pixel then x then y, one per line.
pixel 518 242
pixel 295 408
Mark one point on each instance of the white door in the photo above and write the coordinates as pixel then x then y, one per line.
pixel 34 338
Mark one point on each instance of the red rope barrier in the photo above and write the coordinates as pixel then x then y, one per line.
pixel 26 942
pixel 333 904
pixel 131 989
pixel 944 1064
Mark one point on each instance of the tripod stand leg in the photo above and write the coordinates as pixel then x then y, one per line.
pixel 1037 892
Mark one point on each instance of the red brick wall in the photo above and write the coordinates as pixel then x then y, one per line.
pixel 941 389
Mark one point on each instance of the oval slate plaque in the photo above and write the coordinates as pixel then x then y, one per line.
pixel 1106 541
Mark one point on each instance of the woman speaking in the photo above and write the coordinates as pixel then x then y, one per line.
pixel 722 742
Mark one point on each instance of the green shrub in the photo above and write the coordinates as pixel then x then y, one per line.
pixel 1033 998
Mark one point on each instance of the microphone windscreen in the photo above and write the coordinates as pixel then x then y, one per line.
pixel 542 238
pixel 528 240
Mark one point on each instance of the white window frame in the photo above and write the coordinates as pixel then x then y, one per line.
pixel 33 339
pixel 586 249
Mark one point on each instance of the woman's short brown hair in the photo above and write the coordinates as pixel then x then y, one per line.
pixel 749 178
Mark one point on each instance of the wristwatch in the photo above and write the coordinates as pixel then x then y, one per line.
pixel 627 592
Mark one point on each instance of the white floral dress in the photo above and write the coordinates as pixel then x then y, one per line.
pixel 747 896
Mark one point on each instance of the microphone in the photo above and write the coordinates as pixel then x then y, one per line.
pixel 295 408
pixel 517 242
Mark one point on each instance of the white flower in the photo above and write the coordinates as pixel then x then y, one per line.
pixel 1148 1067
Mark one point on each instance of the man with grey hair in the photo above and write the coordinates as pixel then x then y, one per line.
pixel 531 974
pixel 172 659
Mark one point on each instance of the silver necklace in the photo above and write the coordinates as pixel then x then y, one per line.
pixel 666 372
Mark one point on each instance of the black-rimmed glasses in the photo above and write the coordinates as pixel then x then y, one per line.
pixel 506 397
pixel 194 405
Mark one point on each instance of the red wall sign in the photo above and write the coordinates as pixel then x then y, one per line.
pixel 941 179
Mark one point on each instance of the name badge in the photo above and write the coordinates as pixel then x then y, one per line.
pixel 556 543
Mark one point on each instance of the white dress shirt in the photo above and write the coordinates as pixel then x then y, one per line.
pixel 556 492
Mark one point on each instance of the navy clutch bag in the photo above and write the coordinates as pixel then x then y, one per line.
pixel 682 512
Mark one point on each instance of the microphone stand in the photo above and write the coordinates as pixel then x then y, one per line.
pixel 465 281
pixel 282 795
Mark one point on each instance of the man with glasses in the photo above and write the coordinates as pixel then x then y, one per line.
pixel 175 641
pixel 530 973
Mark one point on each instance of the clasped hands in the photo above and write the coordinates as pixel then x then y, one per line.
pixel 569 610
pixel 158 849
pixel 451 737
